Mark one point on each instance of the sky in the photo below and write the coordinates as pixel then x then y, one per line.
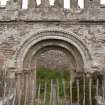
pixel 66 3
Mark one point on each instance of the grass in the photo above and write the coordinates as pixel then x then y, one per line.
pixel 52 74
pixel 46 75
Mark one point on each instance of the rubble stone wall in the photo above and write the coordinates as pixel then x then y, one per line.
pixel 13 34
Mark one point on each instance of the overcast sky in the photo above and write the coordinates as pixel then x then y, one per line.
pixel 66 4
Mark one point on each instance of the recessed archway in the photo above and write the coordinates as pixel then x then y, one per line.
pixel 45 40
pixel 55 38
pixel 54 44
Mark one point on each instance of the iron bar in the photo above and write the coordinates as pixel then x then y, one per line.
pixel 84 90
pixel 90 91
pixel 78 90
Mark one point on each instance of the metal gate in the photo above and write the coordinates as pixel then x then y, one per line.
pixel 85 89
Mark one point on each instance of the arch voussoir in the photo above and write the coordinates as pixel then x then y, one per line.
pixel 53 34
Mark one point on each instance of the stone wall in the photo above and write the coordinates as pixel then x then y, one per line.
pixel 24 33
pixel 13 34
pixel 87 25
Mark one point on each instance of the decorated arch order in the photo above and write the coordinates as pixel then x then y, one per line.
pixel 55 44
pixel 53 34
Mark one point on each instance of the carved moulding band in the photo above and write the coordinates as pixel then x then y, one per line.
pixel 53 33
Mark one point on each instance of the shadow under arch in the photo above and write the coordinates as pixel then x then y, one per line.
pixel 61 45
pixel 52 52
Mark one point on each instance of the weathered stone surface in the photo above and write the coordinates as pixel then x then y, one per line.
pixel 91 3
pixel 59 3
pixel 19 4
pixel 11 5
pixel 12 36
pixel 27 34
pixel 74 4
pixel 45 3
pixel 32 4
pixel 51 14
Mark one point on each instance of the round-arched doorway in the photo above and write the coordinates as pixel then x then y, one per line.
pixel 72 56
pixel 54 49
pixel 58 38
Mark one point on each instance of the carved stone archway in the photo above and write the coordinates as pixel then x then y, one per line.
pixel 47 44
pixel 39 42
pixel 53 37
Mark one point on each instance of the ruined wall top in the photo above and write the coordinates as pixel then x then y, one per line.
pixel 93 11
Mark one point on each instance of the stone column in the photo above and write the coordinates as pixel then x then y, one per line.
pixel 73 4
pixel 11 77
pixel 32 3
pixel 20 4
pixel 19 86
pixel 45 3
pixel 30 86
pixel 27 83
pixel 59 3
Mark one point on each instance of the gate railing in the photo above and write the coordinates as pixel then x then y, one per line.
pixel 80 91
pixel 83 90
